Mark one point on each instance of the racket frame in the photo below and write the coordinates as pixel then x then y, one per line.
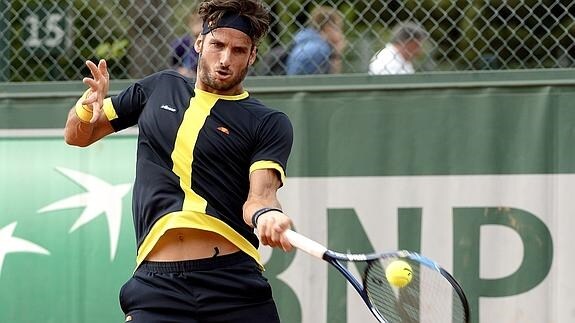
pixel 334 258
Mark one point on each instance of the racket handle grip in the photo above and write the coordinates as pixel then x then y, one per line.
pixel 305 244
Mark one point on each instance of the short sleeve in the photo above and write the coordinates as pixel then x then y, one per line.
pixel 274 143
pixel 129 103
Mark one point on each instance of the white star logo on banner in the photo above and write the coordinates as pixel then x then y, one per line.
pixel 11 244
pixel 100 198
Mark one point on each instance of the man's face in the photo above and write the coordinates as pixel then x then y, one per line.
pixel 225 56
pixel 334 35
pixel 413 49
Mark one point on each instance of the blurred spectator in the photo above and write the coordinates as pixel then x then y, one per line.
pixel 398 55
pixel 317 49
pixel 184 56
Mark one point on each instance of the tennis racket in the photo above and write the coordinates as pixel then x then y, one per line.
pixel 432 295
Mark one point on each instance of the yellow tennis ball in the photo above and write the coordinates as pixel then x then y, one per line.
pixel 398 273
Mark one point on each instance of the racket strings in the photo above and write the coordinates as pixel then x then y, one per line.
pixel 428 298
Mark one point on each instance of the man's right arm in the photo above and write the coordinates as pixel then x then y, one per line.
pixel 87 122
pixel 81 133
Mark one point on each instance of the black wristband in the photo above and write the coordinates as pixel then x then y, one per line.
pixel 259 212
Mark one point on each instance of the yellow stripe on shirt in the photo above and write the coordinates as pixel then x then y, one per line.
pixel 109 110
pixel 268 164
pixel 183 154
pixel 197 220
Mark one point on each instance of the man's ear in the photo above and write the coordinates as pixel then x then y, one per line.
pixel 253 55
pixel 198 43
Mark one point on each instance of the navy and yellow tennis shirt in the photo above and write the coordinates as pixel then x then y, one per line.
pixel 195 152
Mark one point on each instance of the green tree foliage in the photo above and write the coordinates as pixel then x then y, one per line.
pixel 50 40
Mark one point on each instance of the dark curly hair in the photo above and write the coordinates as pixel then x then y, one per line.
pixel 254 11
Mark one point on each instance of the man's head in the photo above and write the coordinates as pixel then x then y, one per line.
pixel 227 45
pixel 329 23
pixel 408 37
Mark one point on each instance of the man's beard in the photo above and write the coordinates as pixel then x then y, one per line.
pixel 205 77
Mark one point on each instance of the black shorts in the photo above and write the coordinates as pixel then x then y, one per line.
pixel 225 289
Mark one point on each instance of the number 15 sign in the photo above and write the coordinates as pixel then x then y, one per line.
pixel 45 28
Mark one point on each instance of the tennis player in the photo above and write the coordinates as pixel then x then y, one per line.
pixel 210 159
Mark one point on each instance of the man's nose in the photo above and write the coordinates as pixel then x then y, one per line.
pixel 225 58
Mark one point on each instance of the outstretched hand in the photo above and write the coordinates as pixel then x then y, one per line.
pixel 99 85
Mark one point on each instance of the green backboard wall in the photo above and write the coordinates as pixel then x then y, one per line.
pixel 473 170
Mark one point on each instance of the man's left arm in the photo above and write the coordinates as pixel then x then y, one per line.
pixel 263 208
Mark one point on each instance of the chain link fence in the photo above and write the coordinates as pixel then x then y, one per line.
pixel 50 40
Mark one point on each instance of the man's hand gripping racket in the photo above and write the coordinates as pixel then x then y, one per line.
pixel 400 286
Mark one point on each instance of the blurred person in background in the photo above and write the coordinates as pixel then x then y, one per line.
pixel 184 57
pixel 318 48
pixel 398 55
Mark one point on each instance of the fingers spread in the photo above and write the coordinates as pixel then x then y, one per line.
pixel 103 68
pixel 90 82
pixel 95 114
pixel 93 69
pixel 90 99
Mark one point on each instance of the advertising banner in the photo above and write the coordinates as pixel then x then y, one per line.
pixel 479 180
